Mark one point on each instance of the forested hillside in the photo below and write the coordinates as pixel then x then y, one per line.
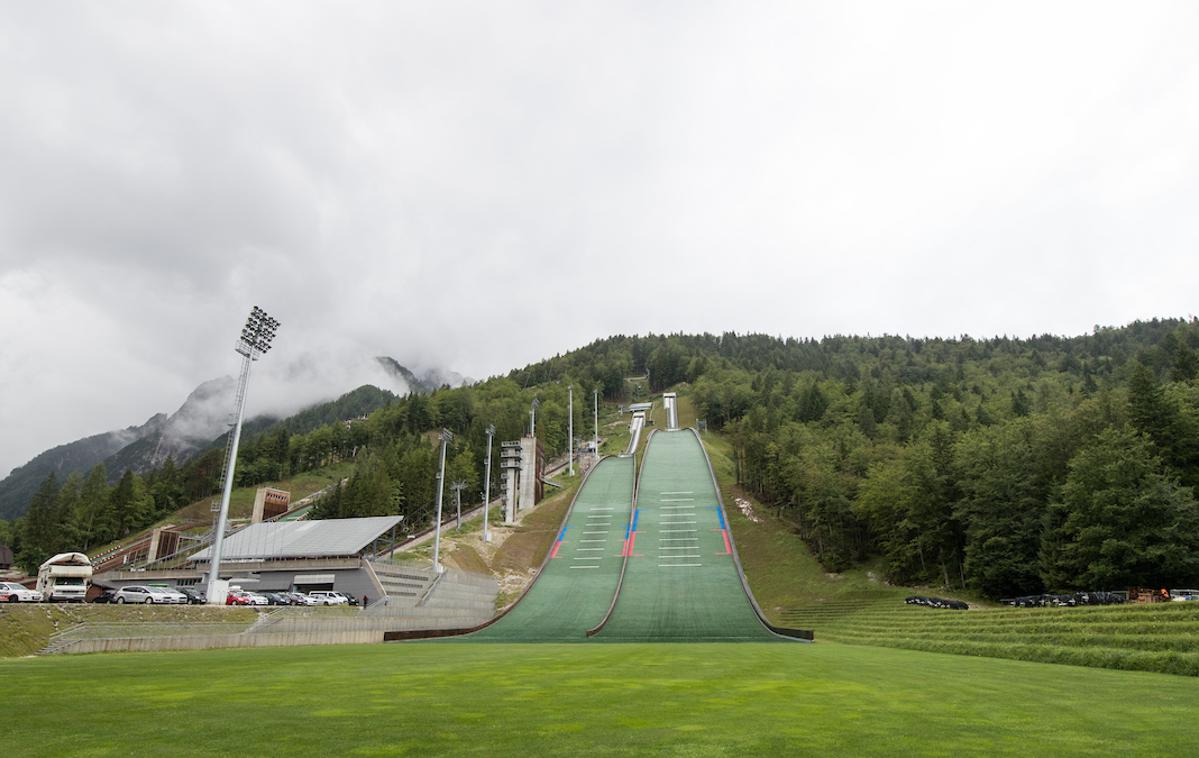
pixel 1006 465
pixel 1009 466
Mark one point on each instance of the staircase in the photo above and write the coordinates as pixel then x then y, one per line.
pixel 454 600
pixel 404 585
pixel 417 599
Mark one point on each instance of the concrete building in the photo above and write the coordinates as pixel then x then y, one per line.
pixel 523 464
pixel 300 556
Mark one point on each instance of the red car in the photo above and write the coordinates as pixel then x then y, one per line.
pixel 237 597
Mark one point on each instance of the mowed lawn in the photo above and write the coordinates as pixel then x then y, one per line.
pixel 548 699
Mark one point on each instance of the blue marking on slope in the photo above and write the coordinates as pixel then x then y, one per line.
pixel 562 534
pixel 720 513
pixel 636 515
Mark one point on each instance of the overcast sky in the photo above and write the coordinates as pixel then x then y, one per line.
pixel 480 185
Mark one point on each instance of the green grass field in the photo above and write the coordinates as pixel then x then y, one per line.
pixel 551 699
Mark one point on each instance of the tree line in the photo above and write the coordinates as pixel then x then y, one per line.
pixel 1010 466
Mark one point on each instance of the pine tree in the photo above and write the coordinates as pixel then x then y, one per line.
pixel 1121 520
pixel 91 514
pixel 39 528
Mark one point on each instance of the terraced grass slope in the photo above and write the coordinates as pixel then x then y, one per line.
pixel 681 582
pixel 575 588
pixel 1162 638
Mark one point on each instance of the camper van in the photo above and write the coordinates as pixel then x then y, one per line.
pixel 65 578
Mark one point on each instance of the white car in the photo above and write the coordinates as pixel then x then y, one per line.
pixel 137 593
pixel 328 597
pixel 256 599
pixel 11 592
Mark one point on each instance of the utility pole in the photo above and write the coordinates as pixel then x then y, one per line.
pixel 570 430
pixel 487 483
pixel 446 436
pixel 255 341
pixel 533 417
pixel 458 486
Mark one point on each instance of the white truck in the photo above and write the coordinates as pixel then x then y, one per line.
pixel 65 578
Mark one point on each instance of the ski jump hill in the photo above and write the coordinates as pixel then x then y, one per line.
pixel 639 560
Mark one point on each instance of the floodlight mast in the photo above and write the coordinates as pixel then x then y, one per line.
pixel 446 437
pixel 570 430
pixel 254 342
pixel 595 410
pixel 487 483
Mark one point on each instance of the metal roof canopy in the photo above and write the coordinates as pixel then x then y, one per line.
pixel 640 407
pixel 325 538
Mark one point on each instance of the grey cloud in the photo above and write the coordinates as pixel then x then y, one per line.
pixel 479 185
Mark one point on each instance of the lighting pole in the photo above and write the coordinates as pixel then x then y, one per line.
pixel 595 410
pixel 533 417
pixel 446 436
pixel 255 341
pixel 487 483
pixel 458 487
pixel 570 430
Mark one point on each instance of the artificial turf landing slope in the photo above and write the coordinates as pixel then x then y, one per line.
pixel 575 588
pixel 681 583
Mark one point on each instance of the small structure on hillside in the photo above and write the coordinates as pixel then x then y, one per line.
pixel 269 503
pixel 6 557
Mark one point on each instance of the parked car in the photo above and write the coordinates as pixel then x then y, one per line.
pixel 277 598
pixel 238 597
pixel 299 598
pixel 136 593
pixel 194 596
pixel 328 597
pixel 11 592
pixel 105 596
pixel 256 598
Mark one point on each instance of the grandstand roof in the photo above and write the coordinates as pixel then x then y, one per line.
pixel 325 538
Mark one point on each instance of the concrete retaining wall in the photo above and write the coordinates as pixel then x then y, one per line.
pixel 273 639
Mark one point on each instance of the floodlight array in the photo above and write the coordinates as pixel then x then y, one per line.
pixel 257 334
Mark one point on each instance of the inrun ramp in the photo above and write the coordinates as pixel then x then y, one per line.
pixel 576 585
pixel 681 582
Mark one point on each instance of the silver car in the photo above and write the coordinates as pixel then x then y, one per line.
pixel 136 593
